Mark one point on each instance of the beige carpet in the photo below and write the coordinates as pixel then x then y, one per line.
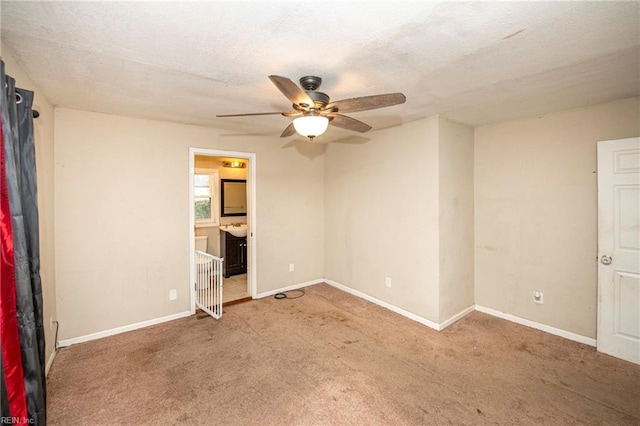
pixel 329 358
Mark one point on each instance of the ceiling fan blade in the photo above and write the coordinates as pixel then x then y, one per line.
pixel 292 91
pixel 254 113
pixel 367 102
pixel 348 123
pixel 290 130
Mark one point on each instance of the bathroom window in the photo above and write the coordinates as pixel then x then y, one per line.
pixel 205 197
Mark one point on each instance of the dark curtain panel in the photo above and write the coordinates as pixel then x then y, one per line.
pixel 20 183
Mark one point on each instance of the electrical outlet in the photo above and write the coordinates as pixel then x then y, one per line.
pixel 387 282
pixel 538 297
pixel 173 294
pixel 292 267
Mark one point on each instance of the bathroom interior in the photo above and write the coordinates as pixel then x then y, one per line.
pixel 220 197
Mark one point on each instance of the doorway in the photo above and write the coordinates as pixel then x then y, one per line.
pixel 230 226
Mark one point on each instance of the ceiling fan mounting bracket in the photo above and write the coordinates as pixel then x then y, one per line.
pixel 310 82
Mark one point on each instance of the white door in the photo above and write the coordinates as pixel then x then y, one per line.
pixel 619 248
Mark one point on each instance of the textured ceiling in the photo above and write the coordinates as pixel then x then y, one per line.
pixel 476 63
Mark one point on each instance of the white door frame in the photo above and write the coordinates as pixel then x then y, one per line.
pixel 251 216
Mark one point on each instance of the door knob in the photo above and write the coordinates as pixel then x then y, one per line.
pixel 606 260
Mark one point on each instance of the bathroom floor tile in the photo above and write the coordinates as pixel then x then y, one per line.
pixel 234 288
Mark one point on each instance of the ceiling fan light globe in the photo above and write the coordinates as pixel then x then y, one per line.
pixel 311 126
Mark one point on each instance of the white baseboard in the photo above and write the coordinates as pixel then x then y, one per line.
pixel 431 324
pixel 118 330
pixel 546 328
pixel 384 304
pixel 130 327
pixel 50 362
pixel 291 287
pixel 457 317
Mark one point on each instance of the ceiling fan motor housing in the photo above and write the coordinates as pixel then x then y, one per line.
pixel 319 98
pixel 311 83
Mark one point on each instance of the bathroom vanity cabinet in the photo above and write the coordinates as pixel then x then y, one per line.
pixel 234 251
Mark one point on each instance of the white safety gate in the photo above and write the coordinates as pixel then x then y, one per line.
pixel 209 283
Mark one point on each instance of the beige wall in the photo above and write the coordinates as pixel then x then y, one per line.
pixel 401 206
pixel 381 216
pixel 456 218
pixel 122 208
pixel 43 128
pixel 536 212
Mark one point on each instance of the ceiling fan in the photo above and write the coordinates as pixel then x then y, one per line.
pixel 313 112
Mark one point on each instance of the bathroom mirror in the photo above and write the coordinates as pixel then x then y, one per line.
pixel 233 197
